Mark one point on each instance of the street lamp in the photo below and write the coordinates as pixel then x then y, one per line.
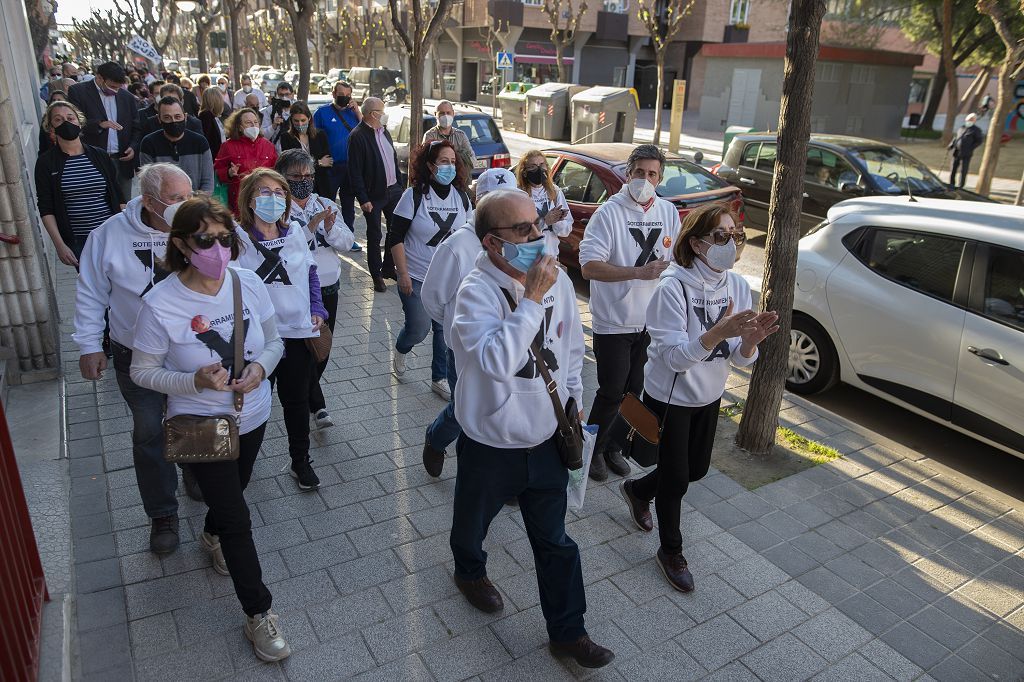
pixel 186 5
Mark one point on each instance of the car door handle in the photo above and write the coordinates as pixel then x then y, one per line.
pixel 988 354
pixel 747 181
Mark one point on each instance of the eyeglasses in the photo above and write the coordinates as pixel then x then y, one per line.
pixel 204 241
pixel 267 192
pixel 297 176
pixel 522 229
pixel 721 237
pixel 541 166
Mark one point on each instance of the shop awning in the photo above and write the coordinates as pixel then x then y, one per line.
pixel 541 59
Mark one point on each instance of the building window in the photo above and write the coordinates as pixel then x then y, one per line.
pixel 535 3
pixel 739 11
pixel 885 12
pixel 617 6
pixel 918 90
pixel 854 125
pixel 862 75
pixel 819 124
pixel 828 72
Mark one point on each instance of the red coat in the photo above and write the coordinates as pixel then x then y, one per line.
pixel 249 155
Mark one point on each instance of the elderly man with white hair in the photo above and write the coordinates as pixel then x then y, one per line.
pixel 968 138
pixel 121 262
pixel 445 130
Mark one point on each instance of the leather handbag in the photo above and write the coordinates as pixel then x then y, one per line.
pixel 197 439
pixel 637 430
pixel 320 346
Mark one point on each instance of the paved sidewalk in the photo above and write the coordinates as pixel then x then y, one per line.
pixel 875 566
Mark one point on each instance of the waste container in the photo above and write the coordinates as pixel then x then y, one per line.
pixel 548 110
pixel 512 101
pixel 731 132
pixel 604 114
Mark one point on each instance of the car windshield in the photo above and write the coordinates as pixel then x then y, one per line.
pixel 894 171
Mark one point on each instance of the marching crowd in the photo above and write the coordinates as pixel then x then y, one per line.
pixel 220 281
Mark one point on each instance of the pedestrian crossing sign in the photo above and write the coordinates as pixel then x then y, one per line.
pixel 504 60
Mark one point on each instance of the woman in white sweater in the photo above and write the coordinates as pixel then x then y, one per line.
pixel 184 348
pixel 700 321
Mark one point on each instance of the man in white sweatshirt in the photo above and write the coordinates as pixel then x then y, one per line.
pixel 516 298
pixel 121 262
pixel 626 247
pixel 454 258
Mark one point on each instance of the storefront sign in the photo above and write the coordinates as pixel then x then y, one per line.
pixel 676 121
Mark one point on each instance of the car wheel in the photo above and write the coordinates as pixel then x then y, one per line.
pixel 813 366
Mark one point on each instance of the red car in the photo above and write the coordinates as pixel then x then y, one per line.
pixel 590 173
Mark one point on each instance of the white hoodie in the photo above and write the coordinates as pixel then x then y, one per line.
pixel 622 233
pixel 325 246
pixel 283 264
pixel 544 204
pixel 500 398
pixel 454 258
pixel 686 303
pixel 119 264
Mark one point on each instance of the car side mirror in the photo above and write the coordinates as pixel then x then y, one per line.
pixel 698 156
pixel 852 188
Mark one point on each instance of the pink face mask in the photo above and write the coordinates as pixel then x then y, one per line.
pixel 211 262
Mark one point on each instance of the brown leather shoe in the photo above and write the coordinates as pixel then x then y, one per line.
pixel 584 651
pixel 481 593
pixel 378 284
pixel 639 510
pixel 675 570
pixel 433 460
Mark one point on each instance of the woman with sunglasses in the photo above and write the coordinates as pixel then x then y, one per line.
pixel 700 321
pixel 534 178
pixel 435 204
pixel 184 348
pixel 280 255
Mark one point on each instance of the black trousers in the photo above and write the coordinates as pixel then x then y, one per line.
pixel 486 478
pixel 385 208
pixel 961 163
pixel 223 485
pixel 685 455
pixel 620 370
pixel 316 394
pixel 293 376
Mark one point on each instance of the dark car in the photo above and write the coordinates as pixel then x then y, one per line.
pixel 372 82
pixel 590 173
pixel 838 167
pixel 484 136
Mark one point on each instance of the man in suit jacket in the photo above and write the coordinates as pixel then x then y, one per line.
pixel 967 138
pixel 375 179
pixel 110 112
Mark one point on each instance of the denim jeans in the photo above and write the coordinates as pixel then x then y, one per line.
pixel 417 325
pixel 445 428
pixel 157 479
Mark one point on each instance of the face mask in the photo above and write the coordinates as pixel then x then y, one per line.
pixel 445 120
pixel 301 128
pixel 68 131
pixel 168 214
pixel 270 209
pixel 107 91
pixel 342 101
pixel 211 262
pixel 247 88
pixel 969 124
pixel 252 133
pixel 384 119
pixel 445 174
pixel 536 176
pixel 720 256
pixel 301 188
pixel 173 128
pixel 522 256
pixel 641 190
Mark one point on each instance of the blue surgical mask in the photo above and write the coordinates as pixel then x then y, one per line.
pixel 445 174
pixel 522 256
pixel 270 208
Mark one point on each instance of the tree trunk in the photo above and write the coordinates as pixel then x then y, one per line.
pixel 1019 201
pixel 202 42
pixel 972 103
pixel 300 27
pixel 659 97
pixel 1004 103
pixel 761 415
pixel 934 99
pixel 563 76
pixel 416 66
pixel 953 99
pixel 236 48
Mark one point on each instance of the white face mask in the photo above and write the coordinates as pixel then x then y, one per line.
pixel 252 132
pixel 247 88
pixel 168 214
pixel 445 120
pixel 968 123
pixel 384 119
pixel 641 190
pixel 721 257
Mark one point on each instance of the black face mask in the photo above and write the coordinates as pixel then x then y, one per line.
pixel 342 100
pixel 68 131
pixel 173 128
pixel 536 176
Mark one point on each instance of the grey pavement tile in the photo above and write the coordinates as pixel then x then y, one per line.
pixel 379 536
pixel 783 659
pixel 95 576
pixel 100 609
pixel 810 514
pixel 880 557
pixel 723 486
pixel 826 584
pixel 996 600
pixel 668 660
pixel 714 596
pixel 817 546
pixel 943 628
pixel 751 504
pixel 104 648
pixel 401 503
pixel 359 574
pixel 801 597
pixel 460 617
pixel 868 613
pixel 85 528
pixel 290 507
pixel 947 572
pixel 854 571
pixel 867 524
pixel 892 511
pixel 643 583
pixel 466 655
pixel 956 669
pixel 753 576
pixel 1004 577
pixel 536 665
pixel 768 616
pixel 419 589
pixel 405 634
pixel 701 496
pixel 725 515
pixel 205 660
pixel 522 632
pixel 279 535
pixel 344 494
pixel 915 645
pixel 310 588
pixel 362 467
pixel 853 667
pixel 783 525
pixel 875 456
pixel 734 672
pixel 905 544
pixel 337 658
pixel 408 669
pixel 595 530
pixel 436 549
pixel 717 642
pixel 896 598
pixel 206 619
pixel 1005 533
pixel 521 589
pixel 992 660
pixel 653 622
pixel 824 476
pixel 605 602
pixel 1008 634
pixel 153 635
pixel 599 562
pixel 705 558
pixel 985 545
pixel 831 503
pixel 921 584
pixel 334 521
pixel 832 635
pixel 933 533
pixel 432 521
pixel 966 612
pixel 842 535
pixel 317 554
pixel 345 614
pixel 790 559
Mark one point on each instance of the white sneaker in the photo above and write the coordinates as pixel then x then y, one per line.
pixel 398 364
pixel 267 642
pixel 441 388
pixel 211 544
pixel 322 419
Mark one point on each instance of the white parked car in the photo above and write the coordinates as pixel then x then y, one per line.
pixel 920 303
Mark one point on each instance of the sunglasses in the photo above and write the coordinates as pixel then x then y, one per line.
pixel 721 238
pixel 204 241
pixel 522 229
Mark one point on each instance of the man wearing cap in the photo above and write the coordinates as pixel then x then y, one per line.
pixel 453 260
